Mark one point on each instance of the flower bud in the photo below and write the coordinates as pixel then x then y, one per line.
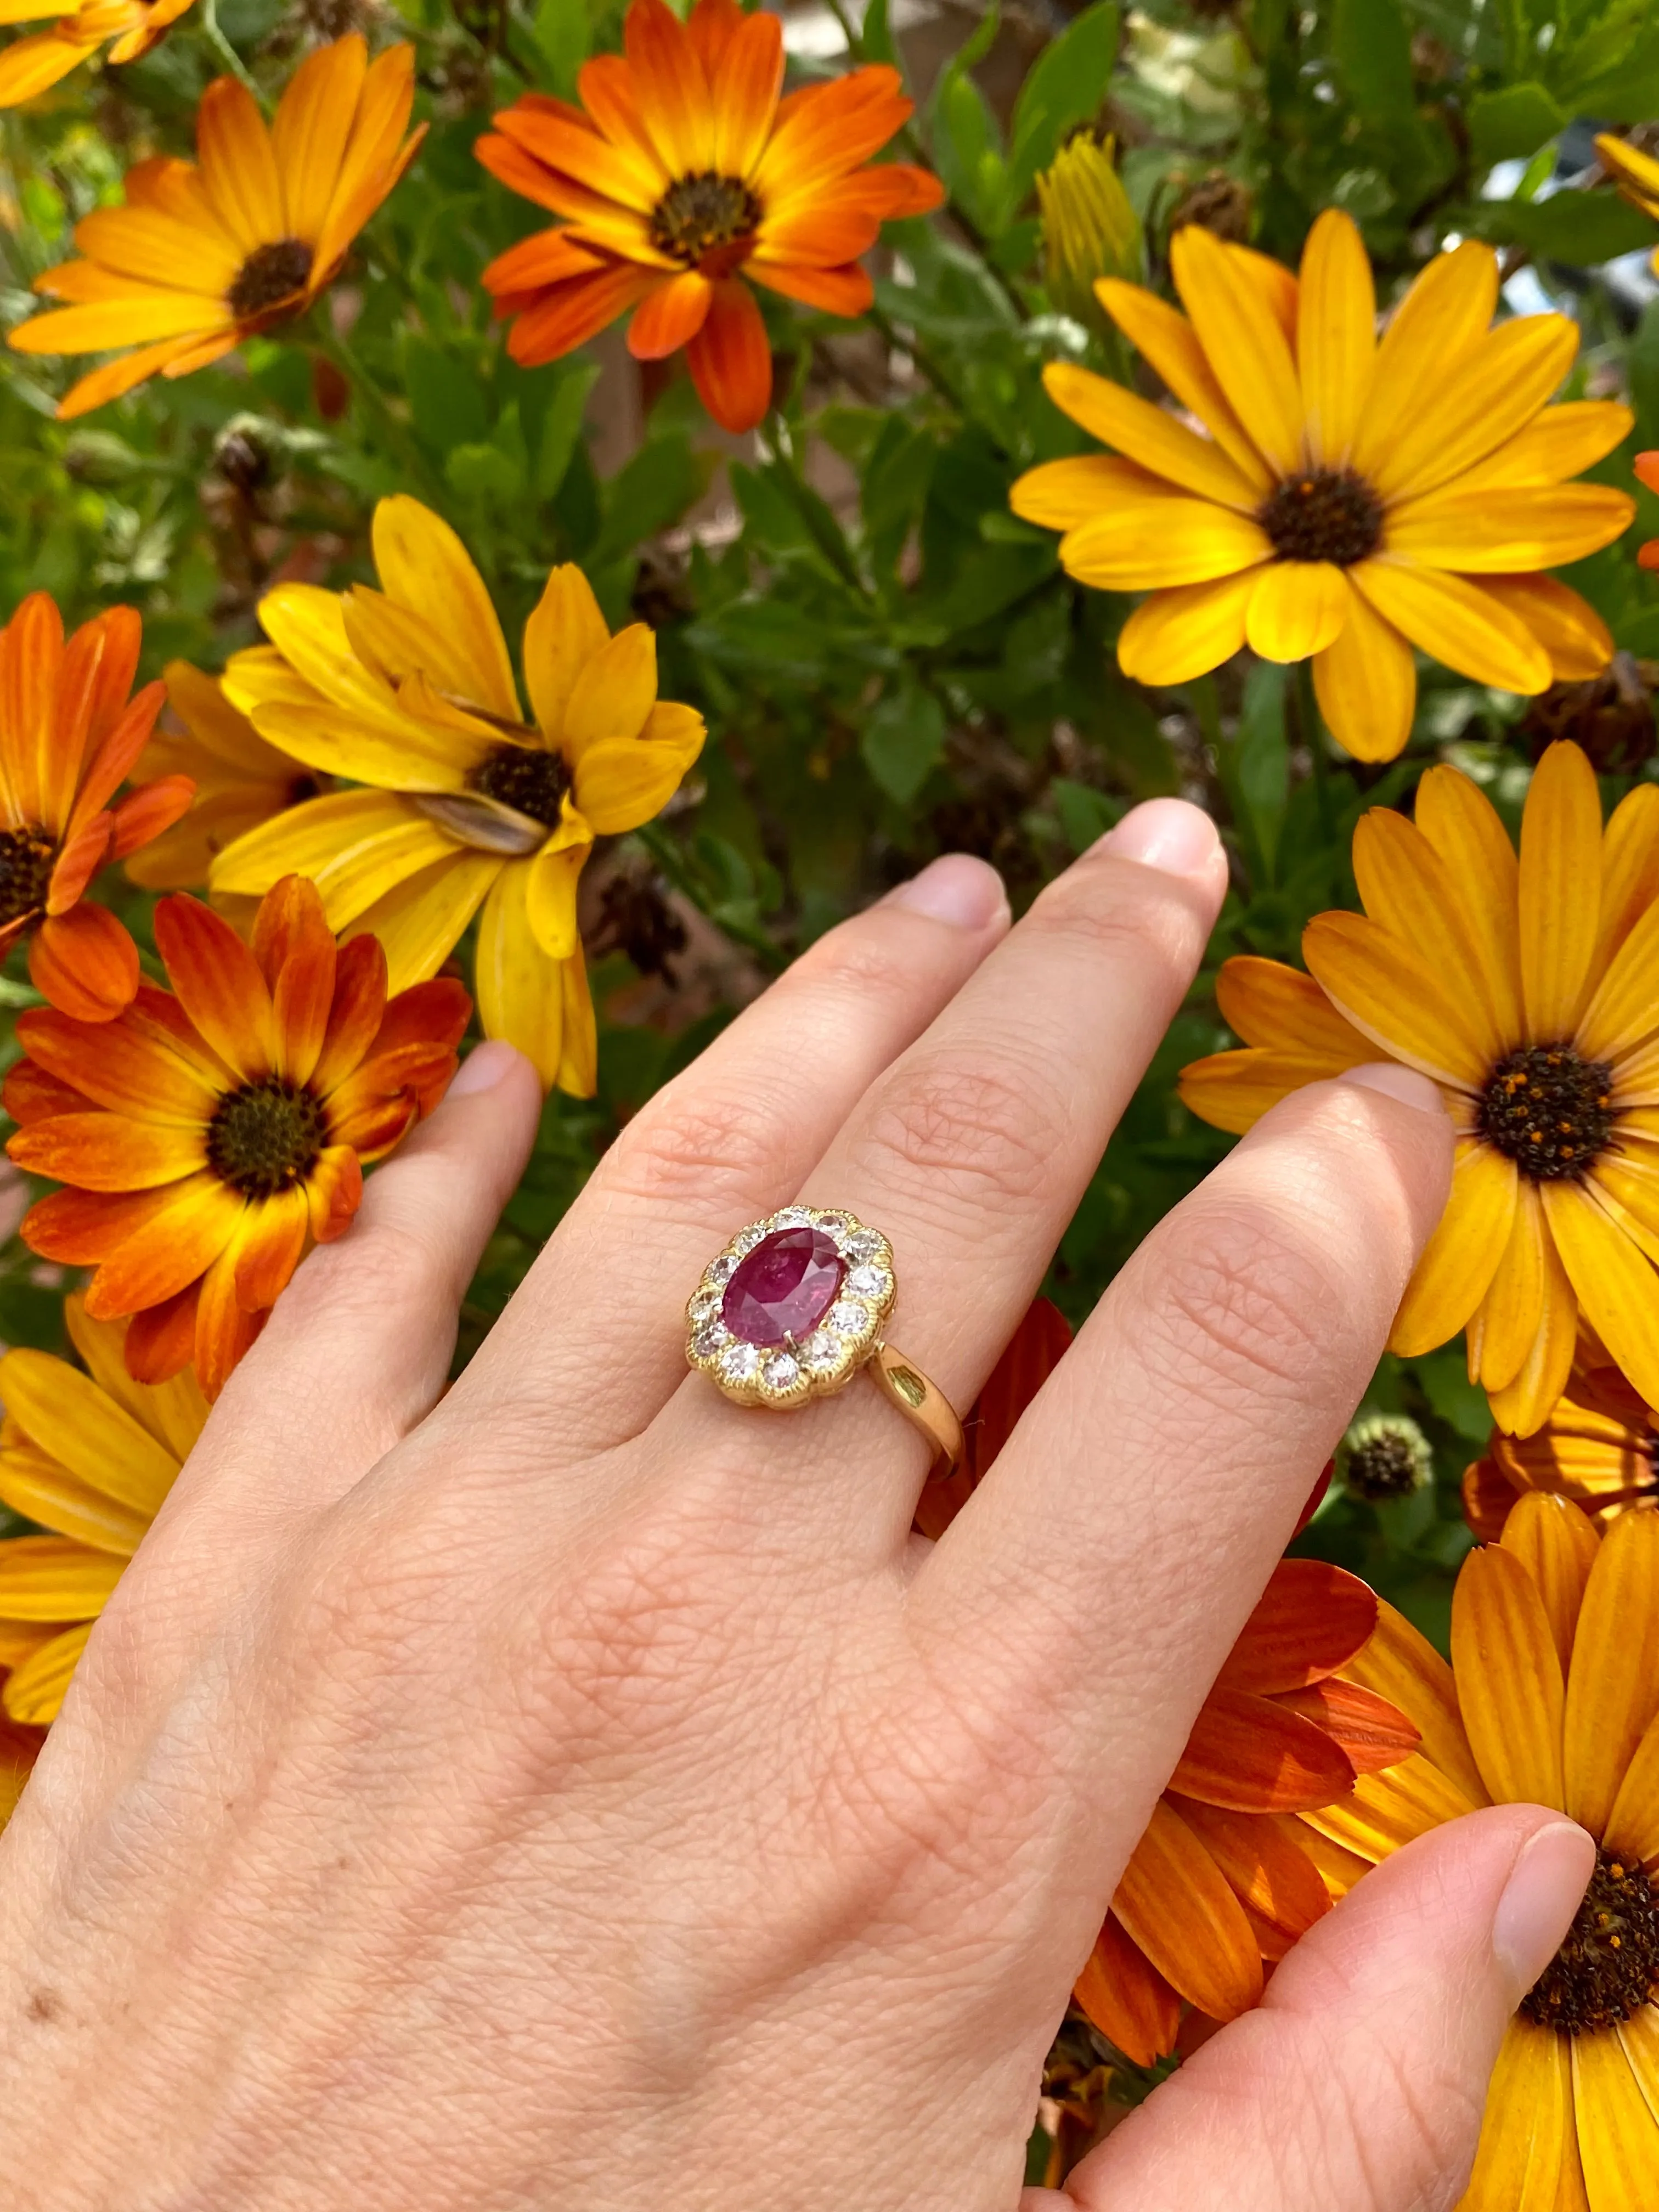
pixel 1384 1456
pixel 1089 228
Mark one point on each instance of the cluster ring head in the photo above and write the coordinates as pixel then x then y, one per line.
pixel 858 1290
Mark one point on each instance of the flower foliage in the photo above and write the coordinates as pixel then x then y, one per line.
pixel 1255 403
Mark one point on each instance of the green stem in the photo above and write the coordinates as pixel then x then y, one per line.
pixel 1311 731
pixel 207 15
pixel 334 347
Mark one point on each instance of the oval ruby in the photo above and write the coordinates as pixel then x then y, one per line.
pixel 782 1289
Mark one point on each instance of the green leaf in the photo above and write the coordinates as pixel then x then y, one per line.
pixel 1643 372
pixel 1581 228
pixel 1262 761
pixel 1066 85
pixel 561 427
pixel 445 396
pixel 1510 125
pixel 1372 48
pixel 875 38
pixel 904 741
pixel 1085 814
pixel 480 470
pixel 647 493
pixel 563 30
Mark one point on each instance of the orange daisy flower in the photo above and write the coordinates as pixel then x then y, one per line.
pixel 1647 468
pixel 208 252
pixel 211 1138
pixel 69 736
pixel 1600 1447
pixel 1224 1880
pixel 681 175
pixel 32 65
pixel 1551 1698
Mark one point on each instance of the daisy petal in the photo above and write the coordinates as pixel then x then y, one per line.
pixel 605 88
pixel 68 1416
pixel 1633 1823
pixel 311 130
pixel 670 87
pixel 1456 622
pixel 1298 608
pixel 1148 435
pixel 1618 2132
pixel 1506 530
pixel 1458 419
pixel 1245 343
pixel 1401 877
pixel 1482 875
pixel 610 695
pixel 1269 1004
pixel 1308 1621
pixel 1187 630
pixel 1612 1684
pixel 1175 1905
pixel 1254 1755
pixel 1557 1545
pixel 270 1244
pixel 55 1578
pixel 1272 1876
pixel 1157 539
pixel 218 985
pixel 1173 347
pixel 1457 1266
pixel 1126 1998
pixel 1365 682
pixel 521 993
pixel 1386 989
pixel 1630 870
pixel 1522 1340
pixel 1528 2126
pixel 1233 1090
pixel 563 634
pixel 730 358
pixel 1508 1679
pixel 424 567
pixel 421 917
pixel 670 317
pixel 1401 1666
pixel 1386 1811
pixel 34 1690
pixel 236 166
pixel 85 964
pixel 169 1252
pixel 1624 1012
pixel 746 92
pixel 1061 494
pixel 1442 319
pixel 1617 1287
pixel 1336 336
pixel 1561 442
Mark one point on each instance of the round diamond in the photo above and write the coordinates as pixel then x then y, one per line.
pixel 746 1239
pixel 864 1244
pixel 869 1282
pixel 705 1303
pixel 834 1223
pixel 792 1216
pixel 740 1363
pixel 709 1338
pixel 780 1372
pixel 721 1270
pixel 847 1318
pixel 822 1352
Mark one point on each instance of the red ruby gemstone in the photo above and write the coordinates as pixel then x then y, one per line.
pixel 784 1287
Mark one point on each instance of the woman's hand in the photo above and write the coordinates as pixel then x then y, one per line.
pixel 580 1793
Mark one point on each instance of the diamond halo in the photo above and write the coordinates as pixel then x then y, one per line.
pixel 857 1294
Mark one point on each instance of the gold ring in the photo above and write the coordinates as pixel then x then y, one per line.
pixel 794 1307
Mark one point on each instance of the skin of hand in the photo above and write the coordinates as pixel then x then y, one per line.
pixel 575 1791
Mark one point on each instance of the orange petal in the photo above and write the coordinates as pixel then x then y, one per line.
pixel 1508 1679
pixel 847 291
pixel 745 87
pixel 670 87
pixel 1558 1547
pixel 1175 1904
pixel 85 964
pixel 730 360
pixel 105 1151
pixel 1402 877
pixel 1373 1732
pixel 358 1009
pixel 1127 1999
pixel 160 1342
pixel 1401 1665
pixel 335 1190
pixel 224 1332
pixel 294 948
pixel 269 1245
pixel 567 315
pixel 670 317
pixel 1309 1620
pixel 1269 1870
pixel 82 1227
pixel 1612 1684
pixel 113 1065
pixel 1253 1754
pixel 143 815
pixel 166 1253
pixel 218 984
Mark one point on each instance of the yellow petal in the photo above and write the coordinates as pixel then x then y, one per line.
pixel 1061 494
pixel 1558 443
pixel 33 1692
pixel 1267 1003
pixel 1640 2037
pixel 622 782
pixel 156 248
pixel 1528 2125
pixel 311 130
pixel 66 1415
pixel 519 990
pixel 1440 321
pixel 1521 1341
pixel 1508 529
pixel 1297 608
pixel 1630 870
pixel 54 1578
pixel 236 166
pixel 424 567
pixel 1336 336
pixel 1175 350
pixel 561 638
pixel 1186 631
pixel 1617 2133
pixel 1463 414
pixel 44 1492
pixel 613 693
pixel 420 921
pixel 1558 1547
pixel 1179 1909
pixel 386 744
pixel 1457 1264
pixel 221 729
pixel 174 1413
pixel 1612 1684
pixel 1508 1679
pixel 578 1047
pixel 1388 1810
pixel 140 318
pixel 356 846
pixel 1483 876
pixel 1623 1009
pixel 1456 622
pixel 1148 435
pixel 550 897
pixel 1402 880
pixel 1633 1823
pixel 1365 682
pixel 1151 541
pixel 1400 1664
pixel 1386 989
pixel 1617 1287
pixel 1245 343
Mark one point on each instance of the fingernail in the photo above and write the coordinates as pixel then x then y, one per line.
pixel 483 1068
pixel 1545 1889
pixel 956 888
pixel 1167 834
pixel 1394 1081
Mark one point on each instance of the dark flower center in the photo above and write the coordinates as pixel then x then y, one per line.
pixel 271 275
pixel 27 860
pixel 1548 1110
pixel 698 214
pixel 527 778
pixel 1607 1968
pixel 266 1136
pixel 1328 514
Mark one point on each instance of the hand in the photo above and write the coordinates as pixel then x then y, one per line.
pixel 577 1792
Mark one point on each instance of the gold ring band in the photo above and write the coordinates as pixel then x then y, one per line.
pixel 794 1305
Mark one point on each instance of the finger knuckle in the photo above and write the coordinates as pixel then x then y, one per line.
pixel 859 963
pixel 391 1265
pixel 1115 925
pixel 982 1130
pixel 1247 1303
pixel 685 1147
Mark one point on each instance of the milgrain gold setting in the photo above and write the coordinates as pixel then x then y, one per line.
pixel 857 1285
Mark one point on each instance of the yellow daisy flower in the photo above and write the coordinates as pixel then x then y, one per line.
pixel 1636 174
pixel 241 781
pixel 1330 495
pixel 32 65
pixel 208 252
pixel 1529 990
pixel 90 1457
pixel 1551 1698
pixel 408 691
